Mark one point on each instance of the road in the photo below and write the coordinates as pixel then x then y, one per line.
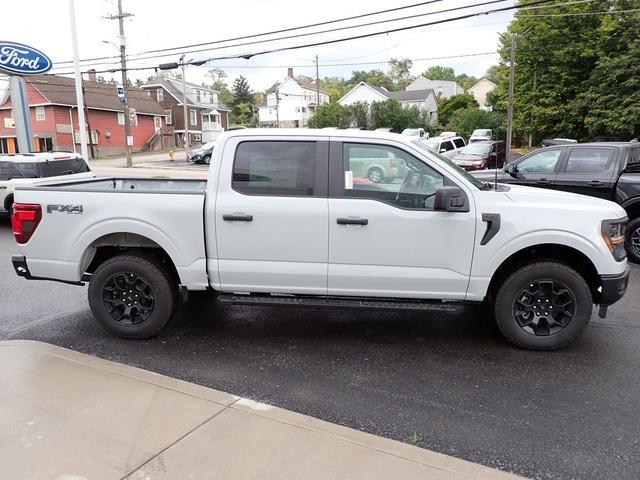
pixel 450 380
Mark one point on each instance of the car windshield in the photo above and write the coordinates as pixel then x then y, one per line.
pixel 481 133
pixel 479 150
pixel 433 146
pixel 430 153
pixel 208 145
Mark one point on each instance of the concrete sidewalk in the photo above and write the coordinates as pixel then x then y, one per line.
pixel 67 415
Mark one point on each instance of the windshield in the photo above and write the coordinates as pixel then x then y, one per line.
pixel 481 133
pixel 479 150
pixel 431 154
pixel 433 146
pixel 208 145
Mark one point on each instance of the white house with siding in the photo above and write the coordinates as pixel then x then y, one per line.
pixel 442 88
pixel 480 91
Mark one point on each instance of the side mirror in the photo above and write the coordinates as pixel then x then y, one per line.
pixel 451 199
pixel 511 169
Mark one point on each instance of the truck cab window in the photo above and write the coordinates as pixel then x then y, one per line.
pixel 541 162
pixel 275 168
pixel 390 175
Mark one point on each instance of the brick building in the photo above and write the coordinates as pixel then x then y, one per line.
pixel 54 117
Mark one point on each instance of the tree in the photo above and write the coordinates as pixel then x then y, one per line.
pixel 242 114
pixel 438 72
pixel 329 115
pixel 466 120
pixel 610 102
pixel 139 82
pixel 466 81
pixel 359 115
pixel 372 77
pixel 241 91
pixel 218 84
pixel 451 105
pixel 555 61
pixel 391 114
pixel 494 74
pixel 400 72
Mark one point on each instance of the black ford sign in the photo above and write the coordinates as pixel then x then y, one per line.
pixel 19 59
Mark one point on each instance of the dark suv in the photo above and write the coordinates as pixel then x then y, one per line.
pixel 481 155
pixel 609 170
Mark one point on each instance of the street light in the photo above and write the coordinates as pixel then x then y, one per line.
pixel 183 64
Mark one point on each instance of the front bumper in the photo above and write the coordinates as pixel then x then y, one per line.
pixel 613 287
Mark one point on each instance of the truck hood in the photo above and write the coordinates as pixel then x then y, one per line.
pixel 563 200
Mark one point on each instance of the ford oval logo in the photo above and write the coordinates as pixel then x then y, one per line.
pixel 20 59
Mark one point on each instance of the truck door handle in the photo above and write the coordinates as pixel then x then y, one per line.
pixel 596 183
pixel 353 221
pixel 237 217
pixel 543 181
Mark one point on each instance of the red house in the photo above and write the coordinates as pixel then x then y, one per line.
pixel 54 117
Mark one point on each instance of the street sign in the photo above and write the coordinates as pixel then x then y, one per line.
pixel 19 59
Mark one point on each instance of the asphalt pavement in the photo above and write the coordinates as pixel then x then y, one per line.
pixel 445 382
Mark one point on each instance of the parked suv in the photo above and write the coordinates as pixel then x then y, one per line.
pixel 481 135
pixel 29 168
pixel 609 170
pixel 377 166
pixel 202 154
pixel 480 156
pixel 445 145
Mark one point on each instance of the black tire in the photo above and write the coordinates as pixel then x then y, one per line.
pixel 524 297
pixel 206 159
pixel 8 203
pixel 150 301
pixel 632 240
pixel 376 175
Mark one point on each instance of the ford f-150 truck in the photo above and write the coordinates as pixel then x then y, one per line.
pixel 284 219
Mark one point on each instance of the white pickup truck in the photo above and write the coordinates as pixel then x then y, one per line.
pixel 285 220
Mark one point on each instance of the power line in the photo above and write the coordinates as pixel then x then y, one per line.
pixel 355 37
pixel 311 25
pixel 582 14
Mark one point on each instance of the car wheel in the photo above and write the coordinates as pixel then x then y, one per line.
pixel 543 306
pixel 376 175
pixel 132 296
pixel 8 204
pixel 206 159
pixel 632 240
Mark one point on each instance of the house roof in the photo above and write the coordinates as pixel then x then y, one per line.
pixel 299 81
pixel 174 87
pixel 99 96
pixel 411 95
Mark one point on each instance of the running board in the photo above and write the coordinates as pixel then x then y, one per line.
pixel 339 302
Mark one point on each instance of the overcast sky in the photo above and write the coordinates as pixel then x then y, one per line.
pixel 44 24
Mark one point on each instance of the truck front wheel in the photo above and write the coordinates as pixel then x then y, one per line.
pixel 543 306
pixel 131 296
pixel 632 241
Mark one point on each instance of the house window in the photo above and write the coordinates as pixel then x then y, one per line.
pixel 169 117
pixel 198 97
pixel 41 116
pixel 304 109
pixel 193 118
pixel 160 94
pixel 120 118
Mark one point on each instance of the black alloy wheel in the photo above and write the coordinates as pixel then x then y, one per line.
pixel 128 298
pixel 544 307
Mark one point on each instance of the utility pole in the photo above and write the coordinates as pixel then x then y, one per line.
pixel 78 77
pixel 123 64
pixel 512 65
pixel 277 105
pixel 184 111
pixel 317 84
pixel 535 88
pixel 86 113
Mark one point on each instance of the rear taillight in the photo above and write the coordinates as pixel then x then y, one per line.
pixel 392 163
pixel 25 220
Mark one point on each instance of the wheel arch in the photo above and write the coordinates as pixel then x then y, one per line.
pixel 8 200
pixel 112 244
pixel 564 254
pixel 632 208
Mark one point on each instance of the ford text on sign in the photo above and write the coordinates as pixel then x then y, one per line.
pixel 19 59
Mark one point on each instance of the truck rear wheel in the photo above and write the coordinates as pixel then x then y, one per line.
pixel 131 296
pixel 543 306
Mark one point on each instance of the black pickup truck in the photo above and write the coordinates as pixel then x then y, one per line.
pixel 609 170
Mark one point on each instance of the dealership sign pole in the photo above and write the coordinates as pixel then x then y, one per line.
pixel 20 60
pixel 76 68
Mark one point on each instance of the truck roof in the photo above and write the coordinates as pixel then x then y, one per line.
pixel 39 157
pixel 314 132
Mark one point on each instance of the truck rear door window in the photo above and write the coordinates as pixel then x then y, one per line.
pixel 275 168
pixel 26 170
pixel 588 160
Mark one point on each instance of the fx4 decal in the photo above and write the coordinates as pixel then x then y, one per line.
pixel 75 209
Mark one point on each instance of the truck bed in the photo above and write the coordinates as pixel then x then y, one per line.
pixel 78 216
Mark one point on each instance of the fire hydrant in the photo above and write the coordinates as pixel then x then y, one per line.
pixel 172 155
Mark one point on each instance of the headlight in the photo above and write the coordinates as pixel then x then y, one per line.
pixel 613 232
